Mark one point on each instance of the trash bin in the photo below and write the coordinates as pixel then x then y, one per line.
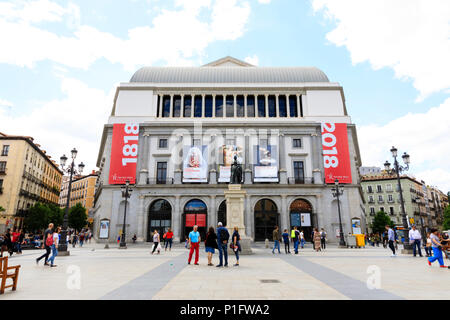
pixel 360 240
pixel 351 241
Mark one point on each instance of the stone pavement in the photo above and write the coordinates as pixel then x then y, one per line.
pixel 93 272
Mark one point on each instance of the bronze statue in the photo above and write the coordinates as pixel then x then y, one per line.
pixel 236 172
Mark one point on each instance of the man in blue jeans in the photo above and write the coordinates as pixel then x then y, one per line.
pixel 415 237
pixel 222 242
pixel 276 240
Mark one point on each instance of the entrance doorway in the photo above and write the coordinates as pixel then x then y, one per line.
pixel 301 217
pixel 222 213
pixel 266 218
pixel 195 213
pixel 159 218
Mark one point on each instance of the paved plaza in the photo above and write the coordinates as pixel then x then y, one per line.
pixel 93 272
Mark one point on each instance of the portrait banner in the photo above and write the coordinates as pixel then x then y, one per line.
pixel 195 164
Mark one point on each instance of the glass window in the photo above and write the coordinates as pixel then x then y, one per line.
pixel 372 210
pixel 239 106
pixel 2 166
pixel 5 150
pixel 293 106
pixel 208 106
pixel 187 106
pixel 296 143
pixel 272 106
pixel 166 107
pixel 219 106
pixel 161 172
pixel 250 106
pixel 379 189
pixel 230 106
pixel 380 198
pixel 197 106
pixel 176 106
pixel 299 174
pixel 391 210
pixel 382 209
pixel 282 106
pixel 261 106
pixel 162 143
pixel 369 189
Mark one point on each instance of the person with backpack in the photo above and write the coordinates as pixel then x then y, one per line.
pixel 47 242
pixel 54 242
pixel 323 239
pixel 296 240
pixel 285 236
pixel 222 242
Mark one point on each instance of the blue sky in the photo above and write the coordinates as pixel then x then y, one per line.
pixel 60 62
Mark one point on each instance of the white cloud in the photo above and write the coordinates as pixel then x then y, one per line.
pixel 425 136
pixel 254 60
pixel 410 36
pixel 175 36
pixel 60 125
pixel 5 103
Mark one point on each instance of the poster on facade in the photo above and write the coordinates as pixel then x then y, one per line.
pixel 295 220
pixel 124 153
pixel 195 164
pixel 336 156
pixel 104 229
pixel 228 152
pixel 265 168
pixel 305 219
pixel 356 226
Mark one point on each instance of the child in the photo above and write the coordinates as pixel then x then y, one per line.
pixel 186 243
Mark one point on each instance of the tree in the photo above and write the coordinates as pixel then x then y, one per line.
pixel 37 217
pixel 2 209
pixel 380 221
pixel 56 215
pixel 446 224
pixel 77 217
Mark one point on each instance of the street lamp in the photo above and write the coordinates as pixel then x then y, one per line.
pixel 338 191
pixel 126 193
pixel 397 170
pixel 62 247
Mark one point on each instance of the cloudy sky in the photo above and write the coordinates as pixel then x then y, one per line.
pixel 60 62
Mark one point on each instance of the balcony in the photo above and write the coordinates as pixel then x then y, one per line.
pixel 371 201
pixel 380 201
pixel 300 180
pixel 160 181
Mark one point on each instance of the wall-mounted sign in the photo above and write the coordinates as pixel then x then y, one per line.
pixel 265 168
pixel 336 157
pixel 356 226
pixel 104 229
pixel 305 219
pixel 195 164
pixel 124 153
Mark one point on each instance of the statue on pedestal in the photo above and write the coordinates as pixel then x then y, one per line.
pixel 236 172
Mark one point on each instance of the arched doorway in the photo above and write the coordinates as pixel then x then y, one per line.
pixel 159 218
pixel 222 213
pixel 266 218
pixel 195 213
pixel 301 217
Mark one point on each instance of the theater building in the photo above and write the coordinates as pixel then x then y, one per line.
pixel 174 131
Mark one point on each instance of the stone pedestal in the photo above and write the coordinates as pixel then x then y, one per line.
pixel 235 215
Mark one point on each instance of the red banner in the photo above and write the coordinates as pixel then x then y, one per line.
pixel 336 157
pixel 190 220
pixel 201 220
pixel 124 152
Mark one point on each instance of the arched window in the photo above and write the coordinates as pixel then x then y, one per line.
pixel 222 213
pixel 266 218
pixel 159 218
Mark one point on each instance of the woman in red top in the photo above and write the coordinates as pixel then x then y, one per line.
pixel 168 236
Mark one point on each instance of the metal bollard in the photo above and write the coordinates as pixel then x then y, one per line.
pixel 267 243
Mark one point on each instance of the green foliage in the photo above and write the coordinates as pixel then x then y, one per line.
pixel 77 217
pixel 37 217
pixel 56 215
pixel 446 224
pixel 380 221
pixel 2 209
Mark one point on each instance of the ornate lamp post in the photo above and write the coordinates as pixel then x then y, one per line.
pixel 338 191
pixel 126 193
pixel 398 169
pixel 62 248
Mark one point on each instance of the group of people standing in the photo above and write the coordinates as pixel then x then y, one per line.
pixel 297 237
pixel 12 241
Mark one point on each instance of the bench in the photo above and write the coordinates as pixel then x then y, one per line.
pixel 7 273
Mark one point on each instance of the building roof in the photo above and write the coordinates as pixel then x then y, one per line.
pixel 229 70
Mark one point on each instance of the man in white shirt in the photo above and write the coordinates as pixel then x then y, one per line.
pixel 414 239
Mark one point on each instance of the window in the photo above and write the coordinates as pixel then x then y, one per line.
pixel 208 106
pixel 250 106
pixel 261 106
pixel 293 106
pixel 219 106
pixel 371 199
pixel 166 107
pixel 296 143
pixel 272 106
pixel 282 106
pixel 391 211
pixel 176 106
pixel 390 198
pixel 161 172
pixel 382 209
pixel 187 106
pixel 5 150
pixel 389 187
pixel 299 174
pixel 372 210
pixel 2 166
pixel 380 198
pixel 369 189
pixel 162 143
pixel 379 189
pixel 230 106
pixel 198 106
pixel 239 106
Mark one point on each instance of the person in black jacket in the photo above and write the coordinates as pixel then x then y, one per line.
pixel 210 244
pixel 236 246
pixel 7 244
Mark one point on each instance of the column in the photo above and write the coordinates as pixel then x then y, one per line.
pixel 224 105
pixel 245 105
pixel 176 220
pixel 234 105
pixel 140 226
pixel 171 106
pixel 160 111
pixel 316 158
pixel 214 105
pixel 182 106
pixel 284 213
pixel 277 106
pixel 288 106
pixel 249 222
pixel 267 105
pixel 283 171
pixel 212 211
pixel 213 165
pixel 143 172
pixel 203 105
pixel 247 167
pixel 192 105
pixel 298 106
pixel 179 167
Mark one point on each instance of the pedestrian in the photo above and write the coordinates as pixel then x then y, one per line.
pixel 20 241
pixel 48 238
pixel 323 238
pixel 391 239
pixel 377 239
pixel 186 243
pixel 82 236
pixel 437 249
pixel 316 239
pixel 285 236
pixel 54 246
pixel 295 239
pixel 194 244
pixel 385 239
pixel 414 238
pixel 236 245
pixel 156 239
pixel 134 238
pixel 293 234
pixel 7 243
pixel 302 239
pixel 276 240
pixel 428 245
pixel 168 239
pixel 222 242
pixel 210 244
pixel 90 236
pixel 312 239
